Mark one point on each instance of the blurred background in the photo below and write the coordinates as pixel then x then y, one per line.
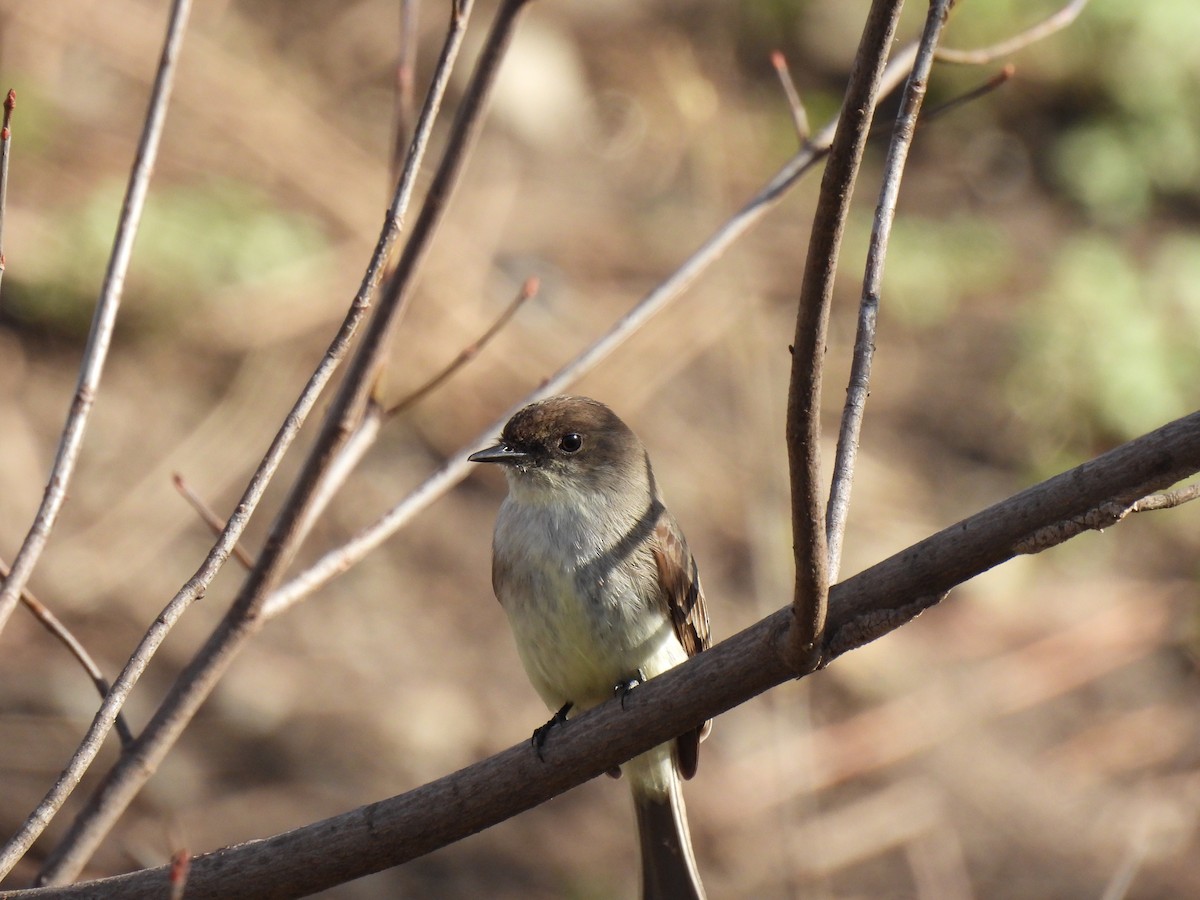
pixel 1037 735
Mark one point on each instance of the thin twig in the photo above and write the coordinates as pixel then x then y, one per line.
pixel 795 104
pixel 56 627
pixel 1000 78
pixel 177 877
pixel 10 104
pixel 1039 32
pixel 881 228
pixel 812 319
pixel 406 66
pixel 198 584
pixel 209 517
pixel 1130 863
pixel 357 390
pixel 244 617
pixel 455 469
pixel 1103 516
pixel 1167 500
pixel 95 354
pixel 527 292
pixel 103 321
pixel 375 415
pixel 364 432
pixel 344 463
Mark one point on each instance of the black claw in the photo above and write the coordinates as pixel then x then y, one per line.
pixel 539 734
pixel 623 688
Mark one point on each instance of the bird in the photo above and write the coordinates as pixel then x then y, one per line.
pixel 601 593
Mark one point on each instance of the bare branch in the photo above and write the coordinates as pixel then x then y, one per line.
pixel 1039 32
pixel 528 291
pixel 406 66
pixel 10 104
pixel 339 560
pixel 104 320
pixel 1168 500
pixel 863 607
pixel 56 627
pixel 1103 516
pixel 244 617
pixel 795 104
pixel 198 584
pixel 1000 78
pixel 858 388
pixel 209 517
pixel 812 319
pixel 95 354
pixel 375 415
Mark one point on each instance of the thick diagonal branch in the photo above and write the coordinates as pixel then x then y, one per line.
pixel 862 608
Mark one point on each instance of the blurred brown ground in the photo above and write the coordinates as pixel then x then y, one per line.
pixel 1038 735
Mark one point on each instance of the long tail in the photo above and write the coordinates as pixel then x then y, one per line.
pixel 668 863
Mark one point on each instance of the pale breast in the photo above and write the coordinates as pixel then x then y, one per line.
pixel 571 592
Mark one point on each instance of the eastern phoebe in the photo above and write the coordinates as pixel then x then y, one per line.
pixel 601 593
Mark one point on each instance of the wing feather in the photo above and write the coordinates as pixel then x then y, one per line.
pixel 684 598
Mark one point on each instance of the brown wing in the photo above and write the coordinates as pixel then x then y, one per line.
pixel 680 581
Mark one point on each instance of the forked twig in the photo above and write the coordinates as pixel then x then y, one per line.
pixel 455 469
pixel 864 345
pixel 60 631
pixel 104 320
pixel 256 488
pixel 811 590
pixel 244 616
pixel 375 414
pixel 864 341
pixel 96 352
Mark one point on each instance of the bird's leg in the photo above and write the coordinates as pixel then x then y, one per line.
pixel 539 734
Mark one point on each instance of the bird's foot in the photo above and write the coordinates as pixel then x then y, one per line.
pixel 540 733
pixel 622 688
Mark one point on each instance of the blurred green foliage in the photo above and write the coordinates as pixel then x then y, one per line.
pixel 1105 344
pixel 191 243
pixel 933 263
pixel 1109 346
pixel 1138 143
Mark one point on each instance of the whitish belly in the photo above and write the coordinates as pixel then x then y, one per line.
pixel 578 642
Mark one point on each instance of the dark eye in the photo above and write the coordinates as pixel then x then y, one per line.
pixel 570 443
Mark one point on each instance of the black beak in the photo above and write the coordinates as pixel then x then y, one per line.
pixel 501 453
